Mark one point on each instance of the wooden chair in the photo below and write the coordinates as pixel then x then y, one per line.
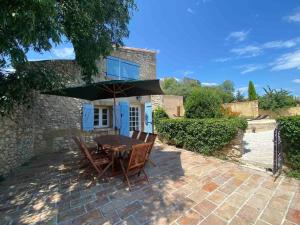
pixel 143 136
pixel 151 140
pixel 102 160
pixel 136 162
pixel 135 134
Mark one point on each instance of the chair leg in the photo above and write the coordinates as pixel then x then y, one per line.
pixel 125 175
pixel 145 176
pixel 151 162
pixel 106 168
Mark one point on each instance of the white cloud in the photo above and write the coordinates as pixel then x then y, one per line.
pixel 295 17
pixel 222 60
pixel 248 51
pixel 188 72
pixel 297 81
pixel 64 53
pixel 189 10
pixel 208 84
pixel 250 68
pixel 287 61
pixel 238 35
pixel 282 44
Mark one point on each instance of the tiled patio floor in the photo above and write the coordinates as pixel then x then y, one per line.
pixel 185 188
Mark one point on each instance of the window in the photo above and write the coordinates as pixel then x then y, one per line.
pixel 121 69
pixel 101 117
pixel 134 118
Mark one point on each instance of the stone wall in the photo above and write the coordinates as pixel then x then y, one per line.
pixel 172 104
pixel 51 121
pixel 248 109
pixel 293 111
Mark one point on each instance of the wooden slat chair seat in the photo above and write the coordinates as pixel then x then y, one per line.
pixel 136 162
pixel 151 140
pixel 143 136
pixel 100 163
pixel 135 134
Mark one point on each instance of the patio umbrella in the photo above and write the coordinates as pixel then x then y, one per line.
pixel 111 89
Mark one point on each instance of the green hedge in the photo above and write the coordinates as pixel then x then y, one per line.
pixel 290 134
pixel 200 135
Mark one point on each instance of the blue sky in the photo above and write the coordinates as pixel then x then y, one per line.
pixel 215 40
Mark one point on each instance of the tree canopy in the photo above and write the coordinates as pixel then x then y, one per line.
pixel 94 28
pixel 252 95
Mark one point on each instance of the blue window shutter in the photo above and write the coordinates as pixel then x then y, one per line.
pixel 148 118
pixel 88 117
pixel 124 118
pixel 113 67
pixel 129 70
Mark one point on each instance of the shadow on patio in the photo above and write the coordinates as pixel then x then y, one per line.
pixel 52 189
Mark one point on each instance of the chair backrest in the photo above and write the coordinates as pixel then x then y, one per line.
pixel 135 134
pixel 143 136
pixel 138 156
pixel 88 155
pixel 77 140
pixel 151 140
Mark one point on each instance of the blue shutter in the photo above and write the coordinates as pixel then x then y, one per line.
pixel 88 117
pixel 113 67
pixel 124 118
pixel 148 118
pixel 129 70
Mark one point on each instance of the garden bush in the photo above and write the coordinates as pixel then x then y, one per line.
pixel 203 103
pixel 290 134
pixel 160 113
pixel 200 135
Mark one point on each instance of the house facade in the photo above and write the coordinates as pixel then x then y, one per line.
pixel 50 122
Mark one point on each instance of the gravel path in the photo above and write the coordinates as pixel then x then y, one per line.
pixel 258 148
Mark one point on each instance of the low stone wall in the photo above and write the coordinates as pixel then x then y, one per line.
pixel 172 104
pixel 293 111
pixel 248 109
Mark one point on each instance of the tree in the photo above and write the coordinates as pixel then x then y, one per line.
pixel 93 27
pixel 251 92
pixel 239 97
pixel 203 102
pixel 227 86
pixel 276 99
pixel 182 87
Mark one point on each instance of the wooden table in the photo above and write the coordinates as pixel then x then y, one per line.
pixel 117 144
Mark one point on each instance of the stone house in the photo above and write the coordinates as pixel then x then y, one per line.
pixel 51 121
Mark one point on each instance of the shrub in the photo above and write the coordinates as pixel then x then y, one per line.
pixel 200 135
pixel 159 113
pixel 228 113
pixel 203 103
pixel 276 99
pixel 290 134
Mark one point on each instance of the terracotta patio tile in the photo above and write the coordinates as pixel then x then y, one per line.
pixel 129 209
pixel 70 214
pixel 217 197
pixel 198 196
pixel 226 211
pixel 258 201
pixel 129 221
pixel 209 187
pixel 248 213
pixel 236 200
pixel 228 188
pixel 239 221
pixel 190 218
pixel 97 203
pixel 261 222
pixel 205 207
pixel 288 223
pixel 272 216
pixel 93 216
pixel 213 220
pixel 293 216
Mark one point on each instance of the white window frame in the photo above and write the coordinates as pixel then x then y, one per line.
pixel 100 124
pixel 139 115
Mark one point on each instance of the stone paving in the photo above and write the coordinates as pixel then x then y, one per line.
pixel 185 188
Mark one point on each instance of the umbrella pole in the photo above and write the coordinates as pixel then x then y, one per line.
pixel 115 115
